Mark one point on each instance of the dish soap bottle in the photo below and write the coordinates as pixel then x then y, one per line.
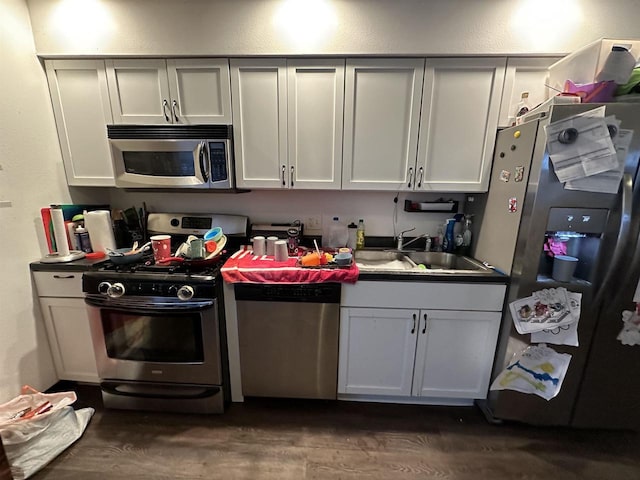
pixel 360 235
pixel 448 244
pixel 353 235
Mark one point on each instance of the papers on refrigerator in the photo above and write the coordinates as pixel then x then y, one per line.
pixel 544 310
pixel 581 146
pixel 565 334
pixel 609 181
pixel 538 369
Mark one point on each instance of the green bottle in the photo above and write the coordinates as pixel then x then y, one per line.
pixel 360 235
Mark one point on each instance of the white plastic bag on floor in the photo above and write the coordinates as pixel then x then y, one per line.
pixel 31 443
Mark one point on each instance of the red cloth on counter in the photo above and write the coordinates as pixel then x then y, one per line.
pixel 244 267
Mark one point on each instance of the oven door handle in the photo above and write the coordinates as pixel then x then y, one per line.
pixel 200 390
pixel 143 305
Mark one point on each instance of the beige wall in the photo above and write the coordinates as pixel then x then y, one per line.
pixel 31 176
pixel 349 27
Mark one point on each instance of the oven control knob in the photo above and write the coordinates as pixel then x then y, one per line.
pixel 103 287
pixel 116 290
pixel 185 292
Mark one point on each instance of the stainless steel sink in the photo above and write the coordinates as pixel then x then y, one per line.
pixel 447 262
pixel 381 260
pixel 418 263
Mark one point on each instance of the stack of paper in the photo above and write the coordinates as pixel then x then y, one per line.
pixel 588 151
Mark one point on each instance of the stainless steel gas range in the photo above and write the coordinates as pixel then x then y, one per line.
pixel 158 331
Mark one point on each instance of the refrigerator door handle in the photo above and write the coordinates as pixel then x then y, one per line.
pixel 623 237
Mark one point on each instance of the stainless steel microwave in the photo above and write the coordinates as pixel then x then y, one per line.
pixel 170 156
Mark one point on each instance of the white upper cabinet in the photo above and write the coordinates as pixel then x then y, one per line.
pixel 458 125
pixel 315 100
pixel 258 88
pixel 288 122
pixel 381 121
pixel 524 75
pixel 173 91
pixel 80 100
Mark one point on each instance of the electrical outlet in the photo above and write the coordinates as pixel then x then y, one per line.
pixel 313 222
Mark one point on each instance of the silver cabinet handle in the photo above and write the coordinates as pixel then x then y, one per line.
pixel 424 327
pixel 410 177
pixel 63 277
pixel 291 175
pixel 165 105
pixel 284 169
pixel 174 105
pixel 420 175
pixel 413 329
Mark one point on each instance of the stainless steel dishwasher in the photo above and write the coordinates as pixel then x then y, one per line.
pixel 289 339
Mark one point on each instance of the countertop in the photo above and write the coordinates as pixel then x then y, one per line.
pixel 76 266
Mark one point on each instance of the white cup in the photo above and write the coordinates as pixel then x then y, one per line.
pixel 281 251
pixel 258 245
pixel 271 243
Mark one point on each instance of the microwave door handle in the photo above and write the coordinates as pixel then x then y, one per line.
pixel 204 160
pixel 622 240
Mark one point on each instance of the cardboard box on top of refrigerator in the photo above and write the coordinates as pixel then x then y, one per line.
pixel 582 66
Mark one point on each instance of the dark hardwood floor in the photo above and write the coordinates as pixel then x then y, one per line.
pixel 287 439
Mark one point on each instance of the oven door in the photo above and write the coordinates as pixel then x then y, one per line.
pixel 160 163
pixel 156 339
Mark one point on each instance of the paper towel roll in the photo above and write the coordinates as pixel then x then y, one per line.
pixel 98 224
pixel 59 230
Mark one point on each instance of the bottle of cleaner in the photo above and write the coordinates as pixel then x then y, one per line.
pixel 82 239
pixel 360 235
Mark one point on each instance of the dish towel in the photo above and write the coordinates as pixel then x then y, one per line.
pixel 244 267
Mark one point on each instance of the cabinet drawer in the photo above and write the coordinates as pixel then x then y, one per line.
pixel 432 295
pixel 58 284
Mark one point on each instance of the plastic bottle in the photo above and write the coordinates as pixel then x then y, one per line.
pixel 338 234
pixel 82 239
pixel 353 235
pixel 466 232
pixel 523 106
pixel 449 240
pixel 360 235
pixel 438 240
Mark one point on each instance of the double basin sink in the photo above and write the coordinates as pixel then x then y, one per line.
pixel 414 262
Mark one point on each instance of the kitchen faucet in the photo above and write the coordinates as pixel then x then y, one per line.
pixel 401 245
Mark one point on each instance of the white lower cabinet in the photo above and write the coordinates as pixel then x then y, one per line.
pixel 441 355
pixel 67 325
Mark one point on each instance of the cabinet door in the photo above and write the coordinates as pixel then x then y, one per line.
pixel 315 100
pixel 139 90
pixel 80 99
pixel 200 91
pixel 455 353
pixel 258 87
pixel 381 120
pixel 458 123
pixel 524 75
pixel 69 336
pixel 377 348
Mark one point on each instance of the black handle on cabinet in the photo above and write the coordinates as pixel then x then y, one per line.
pixel 284 182
pixel 174 105
pixel 165 105
pixel 291 175
pixel 413 329
pixel 410 177
pixel 421 173
pixel 64 277
pixel 424 327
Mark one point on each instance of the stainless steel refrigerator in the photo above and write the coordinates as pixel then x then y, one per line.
pixel 525 205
